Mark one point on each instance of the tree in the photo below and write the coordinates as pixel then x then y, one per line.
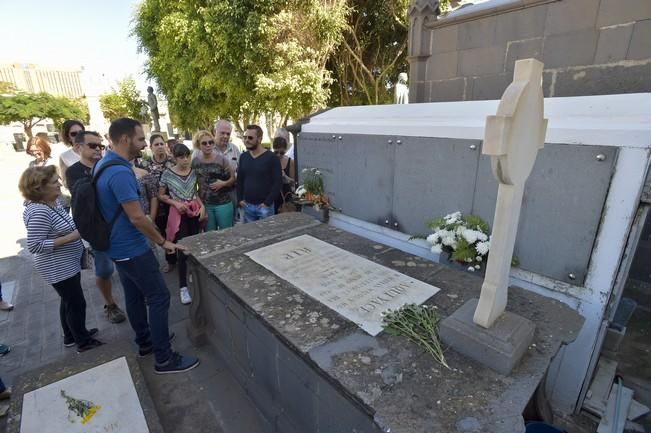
pixel 124 102
pixel 240 59
pixel 31 109
pixel 372 53
pixel 7 88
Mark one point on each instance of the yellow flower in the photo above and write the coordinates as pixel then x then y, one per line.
pixel 91 413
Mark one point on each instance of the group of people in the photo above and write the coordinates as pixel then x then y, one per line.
pixel 154 201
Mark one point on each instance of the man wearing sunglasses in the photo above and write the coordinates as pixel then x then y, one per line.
pixel 89 144
pixel 259 177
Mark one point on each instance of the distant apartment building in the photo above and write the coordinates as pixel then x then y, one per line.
pixel 34 79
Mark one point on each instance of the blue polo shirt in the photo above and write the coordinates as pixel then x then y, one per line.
pixel 116 185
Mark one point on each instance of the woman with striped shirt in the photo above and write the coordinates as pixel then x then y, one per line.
pixel 55 243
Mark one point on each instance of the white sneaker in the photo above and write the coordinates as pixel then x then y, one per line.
pixel 185 296
pixel 6 306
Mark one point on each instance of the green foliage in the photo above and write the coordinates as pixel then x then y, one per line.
pixel 372 53
pixel 420 324
pixel 313 181
pixel 240 59
pixel 32 108
pixel 124 102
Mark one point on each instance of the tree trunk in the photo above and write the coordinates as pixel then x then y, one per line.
pixel 28 129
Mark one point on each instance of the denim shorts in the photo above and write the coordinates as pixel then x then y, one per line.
pixel 103 264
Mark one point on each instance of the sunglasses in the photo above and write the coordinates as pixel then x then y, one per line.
pixel 95 146
pixel 207 143
pixel 73 133
pixel 250 137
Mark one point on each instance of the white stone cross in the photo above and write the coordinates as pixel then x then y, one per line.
pixel 512 138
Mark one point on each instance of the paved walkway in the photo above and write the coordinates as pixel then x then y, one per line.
pixel 207 399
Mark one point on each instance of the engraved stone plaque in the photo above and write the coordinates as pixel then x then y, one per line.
pixel 107 388
pixel 356 288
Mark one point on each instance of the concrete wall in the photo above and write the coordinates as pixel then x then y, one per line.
pixel 288 390
pixel 589 47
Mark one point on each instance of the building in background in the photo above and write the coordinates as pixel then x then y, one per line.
pixel 71 83
pixel 35 79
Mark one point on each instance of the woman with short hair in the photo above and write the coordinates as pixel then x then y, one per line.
pixel 215 179
pixel 41 151
pixel 54 241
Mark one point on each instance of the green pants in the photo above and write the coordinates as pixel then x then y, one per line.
pixel 220 216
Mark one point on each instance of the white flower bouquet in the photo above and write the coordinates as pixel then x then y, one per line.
pixel 464 237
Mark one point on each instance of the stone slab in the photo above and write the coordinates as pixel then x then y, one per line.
pixel 55 372
pixel 356 288
pixel 499 347
pixel 107 387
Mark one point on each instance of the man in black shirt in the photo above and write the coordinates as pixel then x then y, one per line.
pixel 259 177
pixel 90 151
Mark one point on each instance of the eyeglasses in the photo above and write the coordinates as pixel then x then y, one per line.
pixel 95 146
pixel 73 133
pixel 250 137
pixel 207 143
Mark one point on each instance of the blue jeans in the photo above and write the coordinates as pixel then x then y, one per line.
pixel 144 287
pixel 103 264
pixel 254 212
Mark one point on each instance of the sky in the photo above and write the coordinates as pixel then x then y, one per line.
pixel 71 34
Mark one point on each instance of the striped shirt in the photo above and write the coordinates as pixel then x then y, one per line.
pixel 44 224
pixel 181 188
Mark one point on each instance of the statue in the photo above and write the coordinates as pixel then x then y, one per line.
pixel 402 90
pixel 153 107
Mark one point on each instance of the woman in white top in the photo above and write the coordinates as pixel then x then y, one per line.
pixel 69 131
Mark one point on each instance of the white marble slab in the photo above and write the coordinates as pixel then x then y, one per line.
pixel 356 288
pixel 108 386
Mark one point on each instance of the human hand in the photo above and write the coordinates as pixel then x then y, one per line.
pixel 217 185
pixel 180 206
pixel 170 248
pixel 242 204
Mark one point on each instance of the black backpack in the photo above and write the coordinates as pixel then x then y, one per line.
pixel 86 213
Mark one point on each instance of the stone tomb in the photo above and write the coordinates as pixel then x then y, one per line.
pixel 308 368
pixel 356 288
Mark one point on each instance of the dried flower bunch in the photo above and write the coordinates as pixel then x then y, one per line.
pixel 420 324
pixel 464 237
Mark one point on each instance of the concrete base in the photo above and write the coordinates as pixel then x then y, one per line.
pixel 499 347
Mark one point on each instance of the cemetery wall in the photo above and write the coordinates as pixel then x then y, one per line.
pixel 589 47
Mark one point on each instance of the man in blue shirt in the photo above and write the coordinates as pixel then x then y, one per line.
pixel 142 280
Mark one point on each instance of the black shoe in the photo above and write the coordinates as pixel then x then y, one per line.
pixel 149 348
pixel 70 342
pixel 92 343
pixel 177 364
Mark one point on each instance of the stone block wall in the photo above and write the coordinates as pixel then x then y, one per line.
pixel 288 390
pixel 588 47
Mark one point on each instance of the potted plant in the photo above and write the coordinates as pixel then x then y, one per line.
pixel 311 196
